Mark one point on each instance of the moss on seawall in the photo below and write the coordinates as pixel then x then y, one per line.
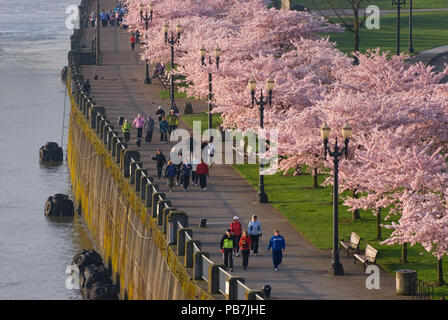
pixel 144 266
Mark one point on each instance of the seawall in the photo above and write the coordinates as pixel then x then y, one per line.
pixel 146 242
pixel 144 265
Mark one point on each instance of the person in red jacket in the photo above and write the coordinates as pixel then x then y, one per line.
pixel 235 226
pixel 202 172
pixel 245 248
pixel 132 40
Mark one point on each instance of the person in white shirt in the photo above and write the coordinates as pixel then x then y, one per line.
pixel 254 230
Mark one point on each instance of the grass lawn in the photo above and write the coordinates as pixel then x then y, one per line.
pixel 430 30
pixel 310 211
pixel 382 4
pixel 203 117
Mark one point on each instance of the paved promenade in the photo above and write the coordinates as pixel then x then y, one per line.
pixel 303 274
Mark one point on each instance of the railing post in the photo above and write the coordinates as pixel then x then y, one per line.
pixel 150 187
pixel 197 264
pixel 189 252
pixel 213 281
pixel 126 161
pixel 155 201
pixel 145 181
pixel 181 237
pixel 138 178
pixel 233 287
pixel 133 168
pixel 160 209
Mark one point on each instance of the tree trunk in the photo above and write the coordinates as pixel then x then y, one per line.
pixel 404 253
pixel 440 281
pixel 378 224
pixel 355 214
pixel 314 174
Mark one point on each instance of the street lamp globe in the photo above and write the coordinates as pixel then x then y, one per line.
pixel 270 83
pixel 140 7
pixel 151 6
pixel 202 52
pixel 217 52
pixel 346 131
pixel 166 27
pixel 325 132
pixel 252 84
pixel 179 28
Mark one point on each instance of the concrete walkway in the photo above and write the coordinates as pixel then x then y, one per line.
pixel 303 274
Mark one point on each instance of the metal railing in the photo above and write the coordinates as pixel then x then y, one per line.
pixel 241 290
pixel 425 291
pixel 116 145
pixel 206 263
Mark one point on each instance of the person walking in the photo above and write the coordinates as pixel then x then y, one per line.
pixel 236 228
pixel 138 123
pixel 186 171
pixel 254 230
pixel 170 173
pixel 173 121
pixel 161 160
pixel 202 172
pixel 149 128
pixel 92 19
pixel 194 176
pixel 244 244
pixel 211 151
pixel 164 128
pixel 160 113
pixel 132 40
pixel 126 128
pixel 179 169
pixel 226 245
pixel 277 243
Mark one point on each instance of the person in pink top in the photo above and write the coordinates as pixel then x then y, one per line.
pixel 138 123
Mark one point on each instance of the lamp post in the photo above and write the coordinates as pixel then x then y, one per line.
pixel 336 267
pixel 147 19
pixel 172 40
pixel 262 101
pixel 203 53
pixel 398 4
pixel 411 47
pixel 140 9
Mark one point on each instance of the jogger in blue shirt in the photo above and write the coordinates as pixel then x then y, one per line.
pixel 277 243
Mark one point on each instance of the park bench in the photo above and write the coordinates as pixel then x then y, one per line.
pixel 165 78
pixel 368 258
pixel 351 246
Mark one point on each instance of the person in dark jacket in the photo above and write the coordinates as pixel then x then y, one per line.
pixel 161 160
pixel 186 171
pixel 226 245
pixel 170 173
pixel 164 128
pixel 277 243
pixel 149 128
pixel 160 113
pixel 245 248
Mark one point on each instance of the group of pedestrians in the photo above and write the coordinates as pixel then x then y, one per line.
pixel 183 172
pixel 112 17
pixel 236 240
pixel 140 123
